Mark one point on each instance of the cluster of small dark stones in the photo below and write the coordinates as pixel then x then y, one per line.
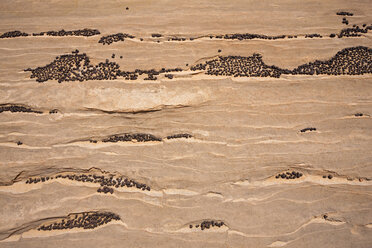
pixel 105 190
pixel 349 61
pixel 53 111
pixel 87 220
pixel 313 36
pixel 77 67
pixel 81 32
pixel 345 21
pixel 63 68
pixel 328 176
pixel 248 36
pixel 208 224
pixel 344 13
pixel 104 181
pixel 289 175
pixel 117 182
pixel 151 74
pixel 355 31
pixel 19 143
pixel 13 34
pixel 178 136
pixel 109 39
pixel 139 137
pixel 170 76
pixel 156 35
pixel 17 108
pixel 178 39
pixel 38 179
pixel 358 114
pixel 239 66
pixel 308 129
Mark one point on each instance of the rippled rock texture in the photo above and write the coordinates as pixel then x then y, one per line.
pixel 186 124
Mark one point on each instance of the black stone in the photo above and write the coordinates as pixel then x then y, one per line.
pixel 307 129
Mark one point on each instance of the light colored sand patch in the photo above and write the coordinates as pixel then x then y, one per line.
pixel 215 229
pixel 24 146
pixel 278 244
pixel 306 178
pixel 99 144
pixel 180 192
pixel 38 234
pixel 213 194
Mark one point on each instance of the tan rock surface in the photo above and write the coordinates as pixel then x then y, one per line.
pixel 245 131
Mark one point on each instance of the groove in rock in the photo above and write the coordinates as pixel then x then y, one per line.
pixel 104 179
pixel 14 108
pixel 77 67
pixel 139 137
pixel 85 220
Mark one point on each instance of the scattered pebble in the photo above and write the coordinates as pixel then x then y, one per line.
pixel 208 224
pixel 248 36
pixel 310 129
pixel 181 135
pixel 139 137
pixel 345 21
pixel 170 76
pixel 177 39
pixel 344 13
pixel 81 32
pixel 13 34
pixel 289 175
pixel 109 39
pixel 313 36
